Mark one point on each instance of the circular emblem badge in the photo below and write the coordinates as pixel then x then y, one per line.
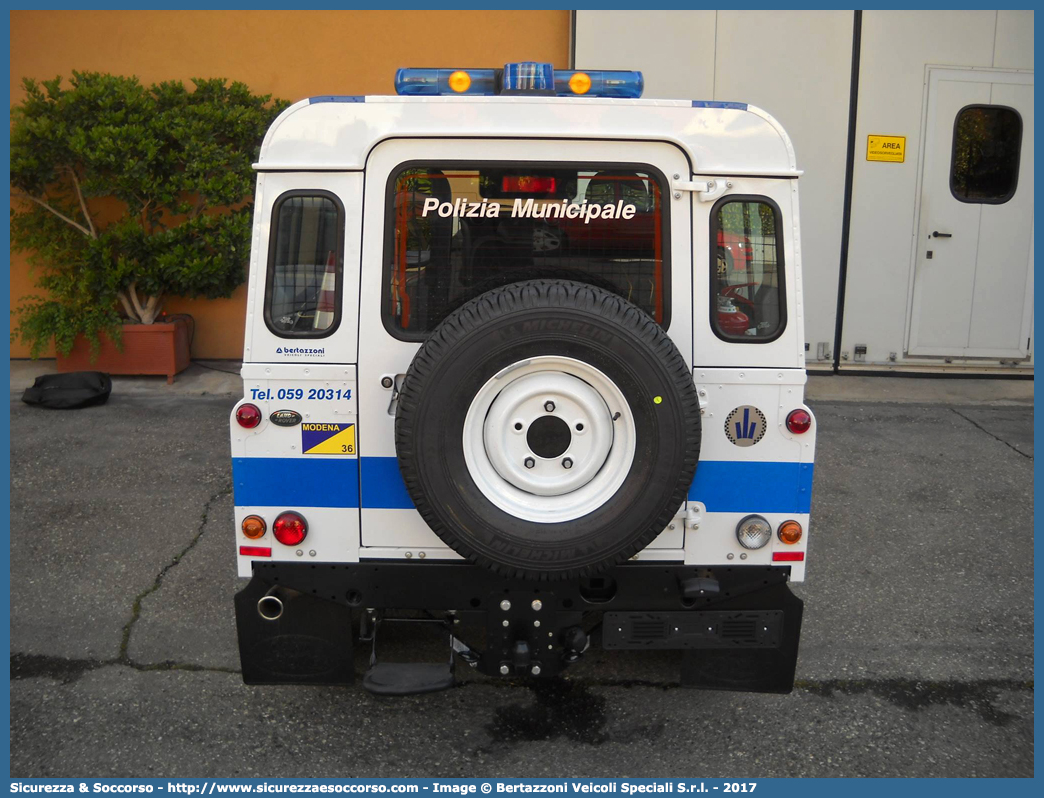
pixel 745 425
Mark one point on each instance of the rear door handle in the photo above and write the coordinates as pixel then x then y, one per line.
pixel 937 234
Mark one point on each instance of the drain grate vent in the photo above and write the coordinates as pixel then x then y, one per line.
pixel 651 629
pixel 687 629
pixel 740 630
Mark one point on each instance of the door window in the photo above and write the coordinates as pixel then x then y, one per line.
pixel 985 163
pixel 303 290
pixel 457 231
pixel 747 270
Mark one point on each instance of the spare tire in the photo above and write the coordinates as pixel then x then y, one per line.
pixel 548 429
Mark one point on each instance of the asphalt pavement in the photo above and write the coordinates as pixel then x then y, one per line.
pixel 916 656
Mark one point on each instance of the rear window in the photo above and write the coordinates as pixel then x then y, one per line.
pixel 457 231
pixel 747 270
pixel 303 288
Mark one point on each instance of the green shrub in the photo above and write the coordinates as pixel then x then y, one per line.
pixel 124 195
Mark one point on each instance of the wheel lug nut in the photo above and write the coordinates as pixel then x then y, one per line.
pixel 529 462
pixel 549 407
pixel 567 463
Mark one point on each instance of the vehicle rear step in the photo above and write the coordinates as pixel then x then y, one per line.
pixel 407 678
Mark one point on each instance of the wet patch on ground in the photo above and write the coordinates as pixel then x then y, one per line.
pixel 979 697
pixel 563 709
pixel 66 671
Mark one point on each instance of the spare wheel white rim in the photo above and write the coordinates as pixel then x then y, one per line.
pixel 549 439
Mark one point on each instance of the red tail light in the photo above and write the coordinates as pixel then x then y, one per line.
pixel 255 551
pixel 290 528
pixel 799 421
pixel 788 556
pixel 248 416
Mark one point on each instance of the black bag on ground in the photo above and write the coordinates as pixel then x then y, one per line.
pixel 69 391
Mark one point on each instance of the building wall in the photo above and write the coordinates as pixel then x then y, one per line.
pixel 796 65
pixel 290 54
pixel 895 53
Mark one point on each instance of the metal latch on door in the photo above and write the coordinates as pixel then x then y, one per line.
pixel 707 189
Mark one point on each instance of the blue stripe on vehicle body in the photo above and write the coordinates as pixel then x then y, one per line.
pixel 382 485
pixel 743 486
pixel 716 104
pixel 336 98
pixel 723 486
pixel 295 482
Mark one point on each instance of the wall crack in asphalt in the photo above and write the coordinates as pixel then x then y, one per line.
pixel 124 658
pixel 977 425
pixel 68 669
pixel 977 695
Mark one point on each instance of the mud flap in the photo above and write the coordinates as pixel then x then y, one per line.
pixel 759 670
pixel 309 643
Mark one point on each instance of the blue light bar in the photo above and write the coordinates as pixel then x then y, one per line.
pixel 619 83
pixel 432 82
pixel 529 76
pixel 523 77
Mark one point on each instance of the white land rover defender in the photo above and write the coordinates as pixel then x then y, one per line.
pixel 524 361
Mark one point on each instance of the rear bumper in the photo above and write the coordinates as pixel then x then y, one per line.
pixel 738 626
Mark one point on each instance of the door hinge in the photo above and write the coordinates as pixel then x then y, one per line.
pixel 706 190
pixel 691 516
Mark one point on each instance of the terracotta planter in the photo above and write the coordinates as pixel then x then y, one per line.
pixel 161 348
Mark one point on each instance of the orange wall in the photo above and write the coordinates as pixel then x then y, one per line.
pixel 290 54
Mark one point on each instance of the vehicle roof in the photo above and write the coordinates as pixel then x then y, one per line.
pixel 336 133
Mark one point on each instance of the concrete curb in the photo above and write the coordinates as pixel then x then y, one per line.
pixel 202 378
pixel 918 390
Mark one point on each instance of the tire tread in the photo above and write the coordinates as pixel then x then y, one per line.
pixel 533 294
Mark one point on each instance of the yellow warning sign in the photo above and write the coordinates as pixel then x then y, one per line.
pixel 891 149
pixel 327 438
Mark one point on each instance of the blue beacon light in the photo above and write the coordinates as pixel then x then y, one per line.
pixel 434 82
pixel 524 77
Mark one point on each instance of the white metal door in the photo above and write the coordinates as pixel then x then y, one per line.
pixel 973 279
pixel 390 523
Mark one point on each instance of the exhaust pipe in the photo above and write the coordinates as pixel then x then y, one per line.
pixel 270 606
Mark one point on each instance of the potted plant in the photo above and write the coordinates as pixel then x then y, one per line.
pixel 124 195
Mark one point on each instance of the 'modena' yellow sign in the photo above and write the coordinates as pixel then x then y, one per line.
pixel 891 149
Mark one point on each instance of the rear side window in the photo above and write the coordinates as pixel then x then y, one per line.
pixel 305 264
pixel 455 231
pixel 985 163
pixel 747 270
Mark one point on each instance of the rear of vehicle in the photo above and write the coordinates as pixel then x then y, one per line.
pixel 524 366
